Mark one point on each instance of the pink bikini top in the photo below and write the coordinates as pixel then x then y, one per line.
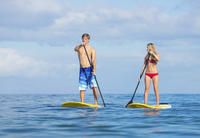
pixel 151 61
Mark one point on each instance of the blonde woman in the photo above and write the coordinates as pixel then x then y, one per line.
pixel 151 73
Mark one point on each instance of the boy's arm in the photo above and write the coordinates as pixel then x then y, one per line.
pixel 94 61
pixel 76 48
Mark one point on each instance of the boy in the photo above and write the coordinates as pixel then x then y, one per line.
pixel 87 71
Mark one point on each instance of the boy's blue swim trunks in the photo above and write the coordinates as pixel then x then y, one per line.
pixel 86 78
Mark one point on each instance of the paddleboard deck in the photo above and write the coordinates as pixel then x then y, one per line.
pixel 78 104
pixel 140 105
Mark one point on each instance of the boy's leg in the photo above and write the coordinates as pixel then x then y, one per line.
pixel 82 95
pixel 95 93
pixel 83 85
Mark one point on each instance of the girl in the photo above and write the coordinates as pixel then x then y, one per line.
pixel 151 59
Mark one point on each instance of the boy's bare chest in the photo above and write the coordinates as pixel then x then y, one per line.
pixel 82 51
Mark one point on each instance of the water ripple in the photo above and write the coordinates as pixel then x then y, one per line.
pixel 42 116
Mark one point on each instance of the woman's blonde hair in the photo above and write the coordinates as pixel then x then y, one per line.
pixel 152 47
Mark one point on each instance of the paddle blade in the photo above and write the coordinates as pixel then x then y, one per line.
pixel 163 103
pixel 130 102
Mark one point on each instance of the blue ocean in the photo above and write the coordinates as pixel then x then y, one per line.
pixel 41 115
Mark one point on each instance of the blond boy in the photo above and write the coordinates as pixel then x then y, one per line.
pixel 87 72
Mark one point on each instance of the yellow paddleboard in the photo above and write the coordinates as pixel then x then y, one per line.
pixel 140 105
pixel 78 104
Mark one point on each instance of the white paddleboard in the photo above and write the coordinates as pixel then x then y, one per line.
pixel 140 105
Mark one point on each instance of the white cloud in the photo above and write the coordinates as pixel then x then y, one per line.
pixel 179 57
pixel 59 21
pixel 12 63
pixel 34 6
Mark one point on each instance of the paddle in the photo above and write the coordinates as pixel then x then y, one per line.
pixel 95 76
pixel 131 101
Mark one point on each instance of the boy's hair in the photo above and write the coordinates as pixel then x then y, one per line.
pixel 86 35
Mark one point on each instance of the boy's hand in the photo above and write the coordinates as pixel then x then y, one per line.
pixel 76 48
pixel 93 72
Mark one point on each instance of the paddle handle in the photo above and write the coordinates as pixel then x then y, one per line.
pixel 99 90
pixel 139 81
pixel 95 77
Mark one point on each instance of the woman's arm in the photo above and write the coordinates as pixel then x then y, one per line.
pixel 145 64
pixel 142 70
pixel 157 56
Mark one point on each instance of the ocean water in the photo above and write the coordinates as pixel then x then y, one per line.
pixel 40 115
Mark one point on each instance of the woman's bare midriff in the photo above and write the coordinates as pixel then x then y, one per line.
pixel 152 68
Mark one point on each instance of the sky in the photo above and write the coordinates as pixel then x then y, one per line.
pixel 37 40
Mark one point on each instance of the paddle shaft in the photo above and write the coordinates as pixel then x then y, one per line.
pixel 138 82
pixel 95 77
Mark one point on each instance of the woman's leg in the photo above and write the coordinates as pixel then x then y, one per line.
pixel 155 84
pixel 147 85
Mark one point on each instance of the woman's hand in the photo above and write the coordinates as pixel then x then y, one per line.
pixel 151 53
